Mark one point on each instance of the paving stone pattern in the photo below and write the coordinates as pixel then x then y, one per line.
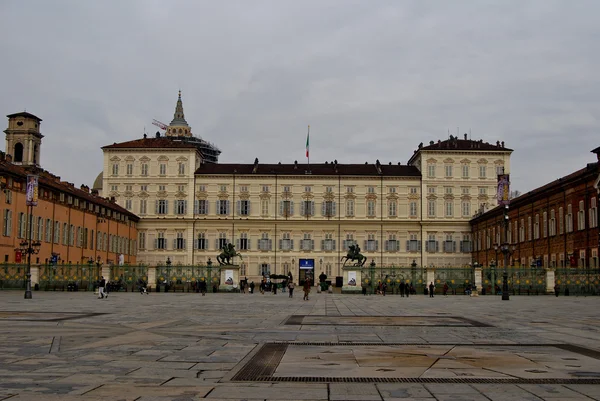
pixel 73 346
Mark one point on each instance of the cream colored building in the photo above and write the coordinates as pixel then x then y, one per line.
pixel 279 214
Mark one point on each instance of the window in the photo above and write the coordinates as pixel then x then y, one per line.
pixel 222 241
pixel 307 244
pixel 181 169
pixel 371 190
pixel 349 190
pixel 286 243
pixel 56 232
pixel 143 206
pixel 371 243
pixel 180 207
pixel 448 190
pixel 201 241
pixel 286 208
pixel 328 269
pixel 162 169
pixel 243 207
pixel 413 190
pixel 8 194
pixel 161 241
pixel 162 206
pixel 412 209
pixel 561 220
pixel 569 219
pixel 115 169
pixel 431 170
pixel 329 190
pixel 264 243
pixel 482 171
pixel 264 207
pixel 223 188
pixel 72 235
pixel 536 227
pixel 128 188
pixel 99 241
pixel 545 224
pixel 466 244
pixel 465 171
pixel 162 188
pixel 307 208
pixel 413 244
pixel 328 209
pixel 21 227
pixel 349 241
pixel 522 231
pixel 265 188
pixel 222 207
pixel 392 244
pixel 179 242
pixel 482 191
pixel 201 207
pixel 431 208
pixel 7 223
pixel 265 269
pixel 593 214
pixel 49 230
pixel 449 244
pixel 371 207
pixel 128 204
pixel 114 188
pixel 349 207
pixel 202 188
pixel 129 168
pixel 328 244
pixel 243 188
pixel 92 239
pixel 79 237
pixel 466 209
pixel 392 208
pixel 499 170
pixel 581 217
pixel 465 190
pixel 392 190
pixel 431 190
pixel 243 242
pixel 448 170
pixel 449 209
pixel 180 188
pixel 142 240
pixel 529 229
pixel 552 223
pixel 144 169
pixel 431 245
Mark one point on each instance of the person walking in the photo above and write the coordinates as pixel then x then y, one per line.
pixel 101 286
pixel 556 289
pixel 445 289
pixel 252 287
pixel 306 289
pixel 402 289
pixel 291 287
pixel 431 289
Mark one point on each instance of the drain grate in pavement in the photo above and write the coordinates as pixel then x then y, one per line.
pixel 263 364
pixel 44 316
pixel 421 321
pixel 441 380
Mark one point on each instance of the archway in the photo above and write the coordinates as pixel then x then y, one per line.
pixel 18 154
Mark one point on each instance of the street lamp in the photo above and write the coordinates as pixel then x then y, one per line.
pixel 413 270
pixel 372 274
pixel 29 247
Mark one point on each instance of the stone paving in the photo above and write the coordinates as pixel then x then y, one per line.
pixel 73 346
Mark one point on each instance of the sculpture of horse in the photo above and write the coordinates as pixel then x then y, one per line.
pixel 354 255
pixel 227 255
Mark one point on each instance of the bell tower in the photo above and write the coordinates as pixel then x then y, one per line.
pixel 178 126
pixel 23 138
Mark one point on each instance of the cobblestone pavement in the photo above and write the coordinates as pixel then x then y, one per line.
pixel 72 346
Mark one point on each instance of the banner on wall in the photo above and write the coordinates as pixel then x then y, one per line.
pixel 503 193
pixel 352 278
pixel 32 190
pixel 307 263
pixel 228 277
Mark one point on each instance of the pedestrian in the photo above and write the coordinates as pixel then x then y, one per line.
pixel 274 285
pixel 445 289
pixel 291 287
pixel 410 290
pixel 431 289
pixel 556 289
pixel 402 289
pixel 242 287
pixel 203 287
pixel 383 289
pixel 101 286
pixel 306 289
pixel 252 287
pixel 364 290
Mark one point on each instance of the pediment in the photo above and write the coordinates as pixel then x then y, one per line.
pixel 163 158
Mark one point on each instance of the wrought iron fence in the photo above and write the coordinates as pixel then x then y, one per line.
pixel 393 276
pixel 13 276
pixel 126 277
pixel 521 280
pixel 578 281
pixel 186 278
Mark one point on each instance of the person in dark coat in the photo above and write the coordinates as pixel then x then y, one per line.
pixel 402 285
pixel 431 289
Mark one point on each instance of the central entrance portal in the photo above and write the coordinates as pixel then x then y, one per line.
pixel 307 271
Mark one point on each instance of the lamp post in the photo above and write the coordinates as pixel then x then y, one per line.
pixel 372 274
pixel 29 247
pixel 90 268
pixel 413 270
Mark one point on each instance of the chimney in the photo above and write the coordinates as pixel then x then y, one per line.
pixel 95 192
pixel 465 136
pixel 9 158
pixel 502 143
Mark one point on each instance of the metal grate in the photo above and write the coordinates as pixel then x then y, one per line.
pixel 263 364
pixel 299 320
pixel 442 380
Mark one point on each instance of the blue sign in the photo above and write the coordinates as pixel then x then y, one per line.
pixel 539 263
pixel 307 263
pixel 54 259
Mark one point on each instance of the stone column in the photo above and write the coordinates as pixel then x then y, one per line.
pixel 35 275
pixel 105 271
pixel 151 277
pixel 550 281
pixel 478 273
pixel 352 280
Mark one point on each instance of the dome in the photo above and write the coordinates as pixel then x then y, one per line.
pixel 98 182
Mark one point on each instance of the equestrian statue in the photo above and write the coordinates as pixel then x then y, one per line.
pixel 227 255
pixel 354 255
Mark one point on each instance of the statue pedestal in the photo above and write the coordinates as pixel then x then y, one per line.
pixel 230 278
pixel 352 280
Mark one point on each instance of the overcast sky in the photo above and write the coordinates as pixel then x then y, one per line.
pixel 372 78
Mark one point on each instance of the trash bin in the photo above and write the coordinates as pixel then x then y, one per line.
pixel 339 281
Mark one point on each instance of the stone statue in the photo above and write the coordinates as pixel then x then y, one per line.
pixel 227 255
pixel 355 256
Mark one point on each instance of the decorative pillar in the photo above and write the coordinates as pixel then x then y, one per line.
pixel 430 274
pixel 35 274
pixel 352 280
pixel 550 281
pixel 478 277
pixel 151 277
pixel 106 272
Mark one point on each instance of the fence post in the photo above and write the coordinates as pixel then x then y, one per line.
pixel 35 275
pixel 550 278
pixel 477 272
pixel 151 276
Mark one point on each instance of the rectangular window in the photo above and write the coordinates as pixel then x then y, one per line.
pixel 371 208
pixel 162 188
pixel 392 244
pixel 286 243
pixel 161 241
pixel 307 208
pixel 21 226
pixel 465 190
pixel 328 244
pixel 412 209
pixel 49 230
pixel 286 208
pixel 371 190
pixel 56 232
pixel 466 209
pixel 431 190
pixel 448 190
pixel 448 170
pixel 328 190
pixel 593 214
pixel 392 208
pixel 128 204
pixel 465 171
pixel 413 190
pixel 431 208
pixel 449 244
pixel 392 190
pixel 431 245
pixel 349 190
pixel 581 217
pixel 7 223
pixel 180 188
pixel 482 191
pixel 536 227
pixel 244 243
pixel 328 209
pixel 144 169
pixel 265 188
pixel 162 169
pixel 143 206
pixel 307 244
pixel 115 169
pixel 569 219
pixel 223 188
pixel 449 209
pixel 529 228
pixel 143 188
pixel 561 220
pixel 264 207
pixel 244 188
pixel 545 224
pixel 129 168
pixel 201 242
pixel 201 206
pixel 162 206
pixel 371 244
pixel 179 242
pixel 349 207
pixel 482 171
pixel 264 243
pixel 180 207
pixel 244 207
pixel 499 170
pixel 431 170
pixel 181 168
pixel 223 207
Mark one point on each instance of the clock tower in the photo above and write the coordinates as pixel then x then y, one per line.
pixel 23 138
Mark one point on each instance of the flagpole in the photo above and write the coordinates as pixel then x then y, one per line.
pixel 308 148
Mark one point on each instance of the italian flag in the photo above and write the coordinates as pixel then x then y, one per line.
pixel 307 140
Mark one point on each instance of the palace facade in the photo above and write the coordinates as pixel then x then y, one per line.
pixel 278 215
pixel 70 223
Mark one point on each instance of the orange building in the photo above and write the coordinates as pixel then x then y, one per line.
pixel 71 223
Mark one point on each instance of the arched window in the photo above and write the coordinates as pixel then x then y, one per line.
pixel 18 152
pixel 35 154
